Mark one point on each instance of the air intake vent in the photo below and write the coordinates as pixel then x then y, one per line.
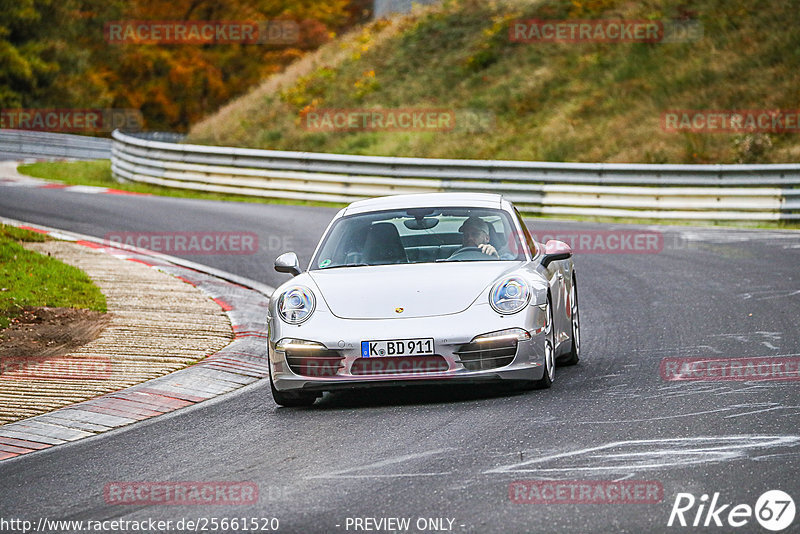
pixel 399 365
pixel 487 354
pixel 318 363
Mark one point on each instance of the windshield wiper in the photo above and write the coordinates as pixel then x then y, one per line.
pixel 345 265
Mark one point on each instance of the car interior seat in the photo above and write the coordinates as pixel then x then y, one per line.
pixel 383 245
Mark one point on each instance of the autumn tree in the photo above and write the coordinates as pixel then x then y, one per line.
pixel 54 53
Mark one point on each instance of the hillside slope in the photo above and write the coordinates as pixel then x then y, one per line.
pixel 567 101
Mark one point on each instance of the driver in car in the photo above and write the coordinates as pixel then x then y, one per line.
pixel 475 233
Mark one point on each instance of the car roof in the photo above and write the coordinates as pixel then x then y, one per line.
pixel 426 200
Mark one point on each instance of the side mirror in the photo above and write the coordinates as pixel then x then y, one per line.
pixel 287 263
pixel 554 251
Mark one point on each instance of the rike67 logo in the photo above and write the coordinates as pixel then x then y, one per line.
pixel 774 510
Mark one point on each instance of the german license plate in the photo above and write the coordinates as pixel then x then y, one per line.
pixel 396 347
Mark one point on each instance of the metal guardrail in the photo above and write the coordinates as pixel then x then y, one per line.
pixel 699 192
pixel 23 144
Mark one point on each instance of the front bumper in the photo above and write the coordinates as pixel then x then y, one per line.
pixel 341 365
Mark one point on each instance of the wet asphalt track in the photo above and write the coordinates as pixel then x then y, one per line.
pixel 451 453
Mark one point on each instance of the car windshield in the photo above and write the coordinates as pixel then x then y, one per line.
pixel 420 235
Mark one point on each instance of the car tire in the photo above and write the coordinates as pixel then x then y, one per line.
pixel 549 374
pixel 291 399
pixel 573 356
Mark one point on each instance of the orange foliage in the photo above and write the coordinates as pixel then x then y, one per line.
pixel 174 85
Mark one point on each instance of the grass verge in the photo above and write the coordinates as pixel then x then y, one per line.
pixel 32 279
pixel 541 101
pixel 98 173
pixel 744 224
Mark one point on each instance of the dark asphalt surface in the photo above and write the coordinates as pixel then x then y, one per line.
pixel 452 453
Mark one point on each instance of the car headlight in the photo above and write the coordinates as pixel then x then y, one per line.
pixel 510 295
pixel 296 304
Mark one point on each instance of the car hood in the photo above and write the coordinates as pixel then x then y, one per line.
pixel 406 291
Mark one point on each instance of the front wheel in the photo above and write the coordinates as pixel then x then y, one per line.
pixel 549 352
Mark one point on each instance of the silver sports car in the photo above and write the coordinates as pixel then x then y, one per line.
pixel 427 289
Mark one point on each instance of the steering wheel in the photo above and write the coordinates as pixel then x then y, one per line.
pixel 469 253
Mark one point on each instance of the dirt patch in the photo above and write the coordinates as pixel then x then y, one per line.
pixel 50 332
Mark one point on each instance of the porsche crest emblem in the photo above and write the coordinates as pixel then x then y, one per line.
pixel 399 310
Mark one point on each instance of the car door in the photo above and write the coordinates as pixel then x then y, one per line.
pixel 558 275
